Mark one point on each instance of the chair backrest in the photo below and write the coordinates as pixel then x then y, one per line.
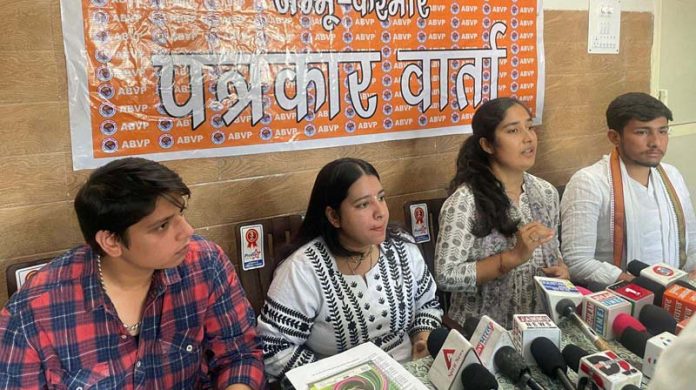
pixel 277 232
pixel 18 273
pixel 428 248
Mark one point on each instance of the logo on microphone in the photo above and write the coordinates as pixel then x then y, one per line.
pixel 664 271
pixel 447 353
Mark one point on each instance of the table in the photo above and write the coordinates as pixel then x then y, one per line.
pixel 570 334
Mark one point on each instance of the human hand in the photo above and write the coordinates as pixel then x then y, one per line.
pixel 530 237
pixel 625 276
pixel 557 271
pixel 692 275
pixel 420 345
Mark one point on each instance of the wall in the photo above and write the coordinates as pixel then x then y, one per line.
pixel 37 183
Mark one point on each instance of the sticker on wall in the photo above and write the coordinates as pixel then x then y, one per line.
pixel 252 247
pixel 419 222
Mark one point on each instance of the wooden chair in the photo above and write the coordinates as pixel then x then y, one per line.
pixel 16 274
pixel 428 248
pixel 277 232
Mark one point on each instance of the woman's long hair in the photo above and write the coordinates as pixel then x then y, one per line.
pixel 330 189
pixel 474 169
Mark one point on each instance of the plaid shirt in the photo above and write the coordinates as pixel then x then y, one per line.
pixel 61 331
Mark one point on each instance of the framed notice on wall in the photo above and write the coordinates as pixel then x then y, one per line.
pixel 173 79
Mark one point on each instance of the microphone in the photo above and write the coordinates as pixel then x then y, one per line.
pixel 452 352
pixel 653 349
pixel 552 290
pixel 635 341
pixel 572 355
pixel 528 327
pixel 657 320
pixel 600 310
pixel 487 337
pixel 596 286
pixel 624 321
pixel 638 296
pixel 662 273
pixel 566 308
pixel 651 285
pixel 470 325
pixel 680 300
pixel 606 370
pixel 550 360
pixel 512 366
pixel 477 377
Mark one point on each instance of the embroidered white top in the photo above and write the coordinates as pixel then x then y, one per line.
pixel 586 225
pixel 314 311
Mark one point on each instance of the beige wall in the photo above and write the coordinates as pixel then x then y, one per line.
pixel 37 183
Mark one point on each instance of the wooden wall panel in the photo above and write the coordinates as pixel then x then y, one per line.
pixel 37 184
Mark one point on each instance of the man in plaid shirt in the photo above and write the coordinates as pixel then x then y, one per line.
pixel 146 305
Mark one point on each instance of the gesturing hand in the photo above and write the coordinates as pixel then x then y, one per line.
pixel 530 237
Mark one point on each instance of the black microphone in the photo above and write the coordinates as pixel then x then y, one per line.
pixel 635 266
pixel 436 339
pixel 477 377
pixel 635 341
pixel 657 320
pixel 550 360
pixel 596 286
pixel 566 308
pixel 572 355
pixel 470 325
pixel 511 364
pixel 630 387
pixel 656 288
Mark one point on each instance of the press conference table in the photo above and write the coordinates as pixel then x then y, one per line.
pixel 570 334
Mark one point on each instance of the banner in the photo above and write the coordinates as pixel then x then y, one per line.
pixel 173 79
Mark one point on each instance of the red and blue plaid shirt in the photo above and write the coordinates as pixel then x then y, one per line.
pixel 61 331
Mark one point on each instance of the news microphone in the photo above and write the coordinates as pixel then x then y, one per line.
pixel 596 286
pixel 469 326
pixel 635 341
pixel 552 290
pixel 606 370
pixel 636 295
pixel 477 377
pixel 630 387
pixel 662 273
pixel 512 366
pixel 654 287
pixel 624 321
pixel 601 308
pixel 653 349
pixel 452 352
pixel 657 320
pixel 487 337
pixel 528 327
pixel 566 308
pixel 550 360
pixel 679 300
pixel 572 355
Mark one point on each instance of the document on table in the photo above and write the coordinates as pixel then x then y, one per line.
pixel 363 367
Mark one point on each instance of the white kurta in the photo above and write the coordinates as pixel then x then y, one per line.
pixel 313 310
pixel 587 242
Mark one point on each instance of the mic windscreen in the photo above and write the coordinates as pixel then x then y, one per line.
pixel 476 377
pixel 623 321
pixel 657 320
pixel 470 325
pixel 436 339
pixel 596 286
pixel 565 307
pixel 630 387
pixel 547 356
pixel 572 355
pixel 635 266
pixel 651 285
pixel 510 363
pixel 634 341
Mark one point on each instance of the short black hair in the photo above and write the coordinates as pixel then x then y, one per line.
pixel 635 105
pixel 121 193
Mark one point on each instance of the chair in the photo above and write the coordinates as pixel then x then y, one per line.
pixel 428 248
pixel 16 274
pixel 277 232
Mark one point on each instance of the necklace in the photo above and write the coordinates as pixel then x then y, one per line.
pixel 131 329
pixel 358 260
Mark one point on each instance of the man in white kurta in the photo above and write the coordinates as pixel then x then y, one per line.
pixel 652 218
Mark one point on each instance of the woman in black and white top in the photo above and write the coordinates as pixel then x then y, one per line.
pixel 351 278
